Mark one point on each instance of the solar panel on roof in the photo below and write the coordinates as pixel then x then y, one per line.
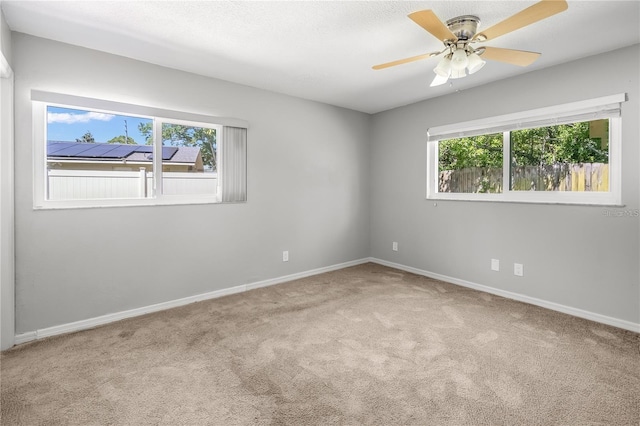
pixel 99 151
pixel 122 151
pixel 86 150
pixel 168 152
pixel 104 150
pixel 74 150
pixel 53 147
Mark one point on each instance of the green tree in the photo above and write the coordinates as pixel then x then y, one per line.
pixel 564 143
pixel 475 151
pixel 180 135
pixel 579 147
pixel 560 144
pixel 146 130
pixel 122 139
pixel 86 138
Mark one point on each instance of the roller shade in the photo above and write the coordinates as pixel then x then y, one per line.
pixel 593 109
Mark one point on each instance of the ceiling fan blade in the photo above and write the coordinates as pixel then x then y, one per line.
pixel 430 22
pixel 516 57
pixel 539 11
pixel 404 61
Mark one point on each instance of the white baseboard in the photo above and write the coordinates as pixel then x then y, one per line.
pixel 626 325
pixel 105 319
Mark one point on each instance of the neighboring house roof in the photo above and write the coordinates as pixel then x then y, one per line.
pixel 61 150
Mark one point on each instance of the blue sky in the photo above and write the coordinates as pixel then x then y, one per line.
pixel 64 124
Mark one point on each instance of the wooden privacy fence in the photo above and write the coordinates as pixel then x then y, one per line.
pixel 586 177
pixel 92 184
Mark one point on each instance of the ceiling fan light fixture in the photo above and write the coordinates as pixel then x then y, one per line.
pixel 438 80
pixel 459 33
pixel 459 60
pixel 458 73
pixel 443 69
pixel 475 63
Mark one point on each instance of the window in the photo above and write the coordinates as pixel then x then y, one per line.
pixel 564 154
pixel 91 153
pixel 471 165
pixel 192 153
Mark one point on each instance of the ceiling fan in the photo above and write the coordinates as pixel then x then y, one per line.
pixel 459 33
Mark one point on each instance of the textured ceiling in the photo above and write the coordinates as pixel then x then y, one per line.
pixel 320 50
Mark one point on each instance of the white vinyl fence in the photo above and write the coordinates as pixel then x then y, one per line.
pixel 91 184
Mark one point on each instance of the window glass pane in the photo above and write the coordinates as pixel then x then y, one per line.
pixel 471 165
pixel 97 155
pixel 189 159
pixel 568 157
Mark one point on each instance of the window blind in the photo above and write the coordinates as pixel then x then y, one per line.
pixel 593 109
pixel 232 175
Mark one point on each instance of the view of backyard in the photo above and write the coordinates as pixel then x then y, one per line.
pixel 97 155
pixel 566 157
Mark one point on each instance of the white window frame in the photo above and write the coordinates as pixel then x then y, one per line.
pixel 157 161
pixel 604 107
pixel 41 100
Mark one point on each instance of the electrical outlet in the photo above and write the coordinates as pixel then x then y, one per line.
pixel 495 264
pixel 518 269
pixel 285 256
pixel 395 246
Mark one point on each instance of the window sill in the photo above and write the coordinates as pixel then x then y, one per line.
pixel 529 197
pixel 134 202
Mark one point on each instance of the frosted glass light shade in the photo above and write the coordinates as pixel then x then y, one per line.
pixel 458 73
pixel 444 67
pixel 459 60
pixel 475 63
pixel 438 81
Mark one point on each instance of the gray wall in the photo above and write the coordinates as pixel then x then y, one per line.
pixel 308 191
pixel 328 184
pixel 572 255
pixel 7 315
pixel 5 38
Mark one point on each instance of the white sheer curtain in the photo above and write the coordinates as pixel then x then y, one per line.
pixel 232 172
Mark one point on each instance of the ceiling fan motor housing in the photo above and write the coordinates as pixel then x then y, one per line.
pixel 464 27
pixel 460 32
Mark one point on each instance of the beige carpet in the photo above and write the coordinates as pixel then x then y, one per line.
pixel 364 345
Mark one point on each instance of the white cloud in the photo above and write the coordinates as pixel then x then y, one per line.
pixel 62 117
